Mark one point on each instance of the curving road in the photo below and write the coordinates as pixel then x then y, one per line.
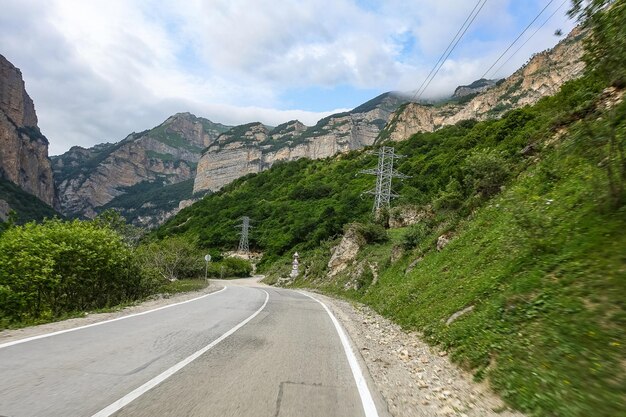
pixel 242 351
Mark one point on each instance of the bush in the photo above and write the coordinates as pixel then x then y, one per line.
pixel 451 197
pixel 229 268
pixel 371 232
pixel 171 258
pixel 415 234
pixel 485 172
pixel 57 267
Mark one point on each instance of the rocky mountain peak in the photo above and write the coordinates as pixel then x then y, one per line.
pixel 477 86
pixel 92 178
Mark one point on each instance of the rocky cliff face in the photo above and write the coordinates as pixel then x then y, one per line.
pixel 476 87
pixel 542 76
pixel 88 179
pixel 23 149
pixel 254 148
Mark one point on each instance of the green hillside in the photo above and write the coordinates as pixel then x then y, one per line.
pixel 534 208
pixel 27 207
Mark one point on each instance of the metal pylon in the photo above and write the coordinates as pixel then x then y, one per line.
pixel 244 247
pixel 383 193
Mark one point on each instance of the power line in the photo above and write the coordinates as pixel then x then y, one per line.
pixel 531 36
pixel 454 46
pixel 516 39
pixel 446 50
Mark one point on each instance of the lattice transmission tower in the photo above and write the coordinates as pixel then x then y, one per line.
pixel 383 193
pixel 244 247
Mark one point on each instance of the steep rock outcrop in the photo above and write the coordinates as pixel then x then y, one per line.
pixel 542 76
pixel 254 147
pixel 88 179
pixel 477 86
pixel 23 148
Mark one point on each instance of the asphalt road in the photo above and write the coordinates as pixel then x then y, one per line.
pixel 243 351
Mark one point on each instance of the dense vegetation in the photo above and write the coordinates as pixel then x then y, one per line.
pixel 26 206
pixel 534 208
pixel 49 269
pixel 144 198
pixel 56 269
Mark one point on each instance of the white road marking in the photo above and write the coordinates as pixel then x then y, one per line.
pixel 41 336
pixel 133 395
pixel 366 397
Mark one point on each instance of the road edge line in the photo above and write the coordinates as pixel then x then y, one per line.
pixel 137 392
pixel 367 401
pixel 73 329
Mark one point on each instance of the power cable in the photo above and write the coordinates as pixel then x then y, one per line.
pixel 531 36
pixel 454 46
pixel 446 50
pixel 516 39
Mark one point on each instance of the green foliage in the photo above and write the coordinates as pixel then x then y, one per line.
pixel 452 197
pixel 172 258
pixel 294 206
pixel 26 206
pixel 50 269
pixel 605 49
pixel 416 234
pixel 370 232
pixel 147 198
pixel 485 171
pixel 231 267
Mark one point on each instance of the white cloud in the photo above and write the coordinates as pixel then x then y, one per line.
pixel 100 69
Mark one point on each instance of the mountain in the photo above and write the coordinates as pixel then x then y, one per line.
pixel 90 178
pixel 476 87
pixel 254 148
pixel 23 148
pixel 26 206
pixel 542 76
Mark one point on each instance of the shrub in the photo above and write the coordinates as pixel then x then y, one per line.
pixel 485 172
pixel 171 258
pixel 371 232
pixel 451 197
pixel 230 267
pixel 57 267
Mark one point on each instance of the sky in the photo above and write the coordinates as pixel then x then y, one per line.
pixel 98 70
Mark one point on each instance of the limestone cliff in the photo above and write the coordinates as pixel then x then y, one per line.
pixel 23 148
pixel 542 76
pixel 476 87
pixel 254 147
pixel 88 179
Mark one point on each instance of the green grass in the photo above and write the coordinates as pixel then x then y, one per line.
pixel 183 285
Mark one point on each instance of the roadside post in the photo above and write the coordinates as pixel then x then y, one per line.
pixel 207 259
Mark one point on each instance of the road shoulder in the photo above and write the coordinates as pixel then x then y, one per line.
pixel 414 379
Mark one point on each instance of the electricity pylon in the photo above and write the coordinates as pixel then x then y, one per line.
pixel 385 173
pixel 243 241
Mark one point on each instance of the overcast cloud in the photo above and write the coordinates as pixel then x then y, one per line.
pixel 100 69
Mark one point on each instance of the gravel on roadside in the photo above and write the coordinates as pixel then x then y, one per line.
pixel 414 378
